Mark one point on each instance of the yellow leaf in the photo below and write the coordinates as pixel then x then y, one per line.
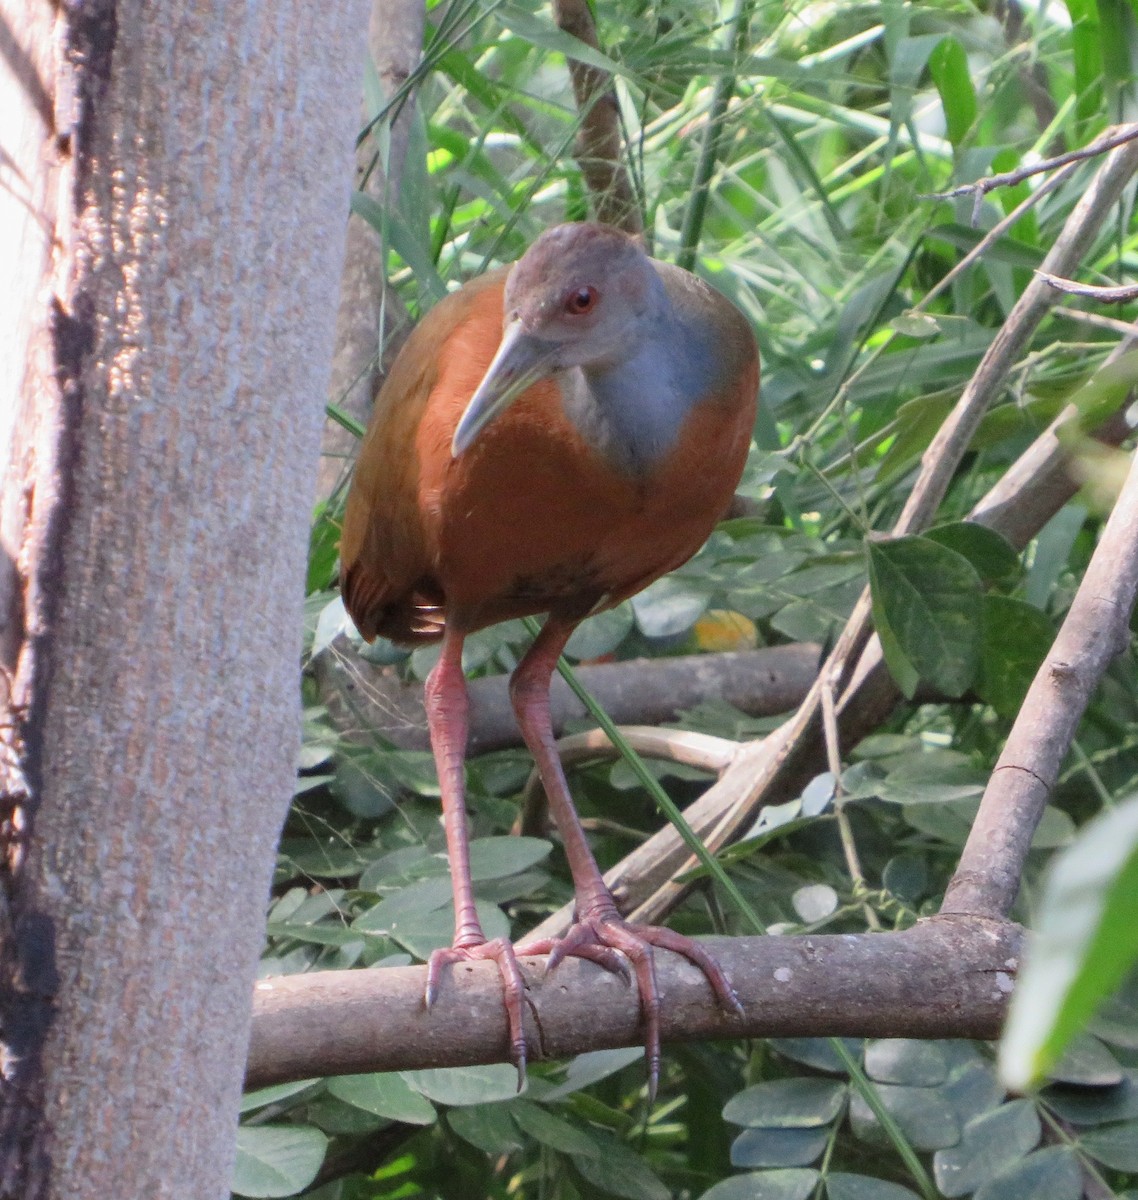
pixel 719 629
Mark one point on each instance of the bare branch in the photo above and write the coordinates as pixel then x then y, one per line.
pixel 1104 295
pixel 674 745
pixel 1095 631
pixel 642 691
pixel 943 978
pixel 600 144
pixel 1117 136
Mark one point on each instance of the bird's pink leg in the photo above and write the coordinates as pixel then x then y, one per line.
pixel 599 929
pixel 446 704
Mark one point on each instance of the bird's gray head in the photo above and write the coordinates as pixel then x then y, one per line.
pixel 579 297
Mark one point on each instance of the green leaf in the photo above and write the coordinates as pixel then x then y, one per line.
pixel 263 1097
pixel 1102 394
pixel 907 876
pixel 543 34
pixel 551 1130
pixel 410 902
pixel 992 556
pixel 385 1095
pixel 814 902
pixel 591 1067
pixel 1017 637
pixel 498 857
pixel 926 1118
pixel 905 1061
pixel 791 1183
pixel 842 1186
pixel 422 933
pixel 918 782
pixel 1116 1146
pixel 1087 51
pixel 816 1052
pixel 948 65
pixel 1049 1174
pixel 787 1104
pixel 778 1147
pixel 989 1145
pixel 972 1089
pixel 1086 942
pixel 1087 1063
pixel 1096 1106
pixel 277 1160
pixel 600 634
pixel 465 1085
pixel 668 607
pixel 620 1171
pixel 927 611
pixel 488 1127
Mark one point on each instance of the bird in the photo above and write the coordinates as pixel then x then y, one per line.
pixel 553 437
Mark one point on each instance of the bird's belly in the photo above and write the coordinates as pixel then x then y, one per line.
pixel 531 519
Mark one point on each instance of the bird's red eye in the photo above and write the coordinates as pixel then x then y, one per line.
pixel 580 301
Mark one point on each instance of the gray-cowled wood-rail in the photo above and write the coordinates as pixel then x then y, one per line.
pixel 551 439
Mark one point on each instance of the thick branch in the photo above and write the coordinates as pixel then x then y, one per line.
pixel 1095 631
pixel 641 691
pixel 943 978
pixel 600 146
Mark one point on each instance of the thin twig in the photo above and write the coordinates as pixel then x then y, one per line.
pixel 1104 295
pixel 1125 328
pixel 1114 137
pixel 700 750
pixel 834 761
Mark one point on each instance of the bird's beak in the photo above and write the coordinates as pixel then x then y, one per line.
pixel 520 362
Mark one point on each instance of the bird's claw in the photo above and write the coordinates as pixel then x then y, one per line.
pixel 513 987
pixel 615 944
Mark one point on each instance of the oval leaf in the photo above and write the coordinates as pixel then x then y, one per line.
pixel 841 1186
pixel 465 1085
pixel 927 611
pixel 989 1145
pixel 277 1160
pixel 385 1095
pixel 791 1183
pixel 787 1104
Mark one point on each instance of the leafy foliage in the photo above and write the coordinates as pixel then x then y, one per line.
pixel 822 134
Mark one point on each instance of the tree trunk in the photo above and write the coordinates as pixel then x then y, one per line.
pixel 184 170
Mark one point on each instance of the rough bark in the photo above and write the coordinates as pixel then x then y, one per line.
pixel 943 978
pixel 196 163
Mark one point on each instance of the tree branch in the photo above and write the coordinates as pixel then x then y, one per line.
pixel 943 978
pixel 641 692
pixel 1104 295
pixel 600 144
pixel 1095 631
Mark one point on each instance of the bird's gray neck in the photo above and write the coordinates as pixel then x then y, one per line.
pixel 632 409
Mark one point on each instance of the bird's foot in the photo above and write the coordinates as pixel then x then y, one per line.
pixel 606 938
pixel 502 952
